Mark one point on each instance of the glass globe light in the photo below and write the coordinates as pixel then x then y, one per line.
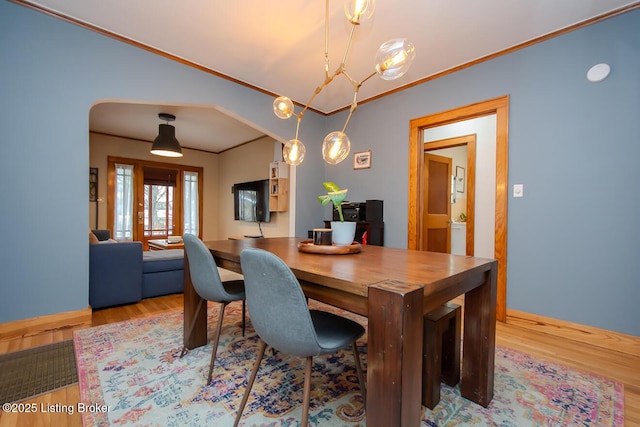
pixel 394 58
pixel 335 147
pixel 359 10
pixel 293 152
pixel 283 107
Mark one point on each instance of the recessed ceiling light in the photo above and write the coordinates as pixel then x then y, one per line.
pixel 598 72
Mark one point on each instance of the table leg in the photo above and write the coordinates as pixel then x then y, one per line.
pixel 198 336
pixel 479 343
pixel 394 358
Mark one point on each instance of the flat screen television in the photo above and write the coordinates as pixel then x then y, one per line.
pixel 251 201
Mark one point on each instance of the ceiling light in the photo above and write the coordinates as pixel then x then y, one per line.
pixel 293 152
pixel 166 143
pixel 392 61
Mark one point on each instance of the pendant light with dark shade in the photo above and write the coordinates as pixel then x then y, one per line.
pixel 166 143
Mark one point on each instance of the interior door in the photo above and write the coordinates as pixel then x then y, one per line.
pixel 437 204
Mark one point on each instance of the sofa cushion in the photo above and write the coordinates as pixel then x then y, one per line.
pixel 167 260
pixel 102 234
pixel 162 283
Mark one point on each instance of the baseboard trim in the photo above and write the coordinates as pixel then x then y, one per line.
pixel 623 343
pixel 38 325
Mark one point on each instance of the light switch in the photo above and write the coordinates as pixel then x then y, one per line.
pixel 518 190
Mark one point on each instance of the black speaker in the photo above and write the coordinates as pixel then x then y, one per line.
pixel 374 211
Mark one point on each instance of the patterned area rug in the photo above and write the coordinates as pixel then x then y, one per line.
pixel 133 367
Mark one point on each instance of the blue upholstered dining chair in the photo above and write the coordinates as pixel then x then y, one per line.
pixel 282 319
pixel 208 285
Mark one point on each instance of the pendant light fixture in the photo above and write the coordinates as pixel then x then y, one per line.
pixel 166 143
pixel 392 61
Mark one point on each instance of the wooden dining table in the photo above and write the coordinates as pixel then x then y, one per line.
pixel 394 288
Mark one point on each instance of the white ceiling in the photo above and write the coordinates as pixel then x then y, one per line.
pixel 278 46
pixel 198 127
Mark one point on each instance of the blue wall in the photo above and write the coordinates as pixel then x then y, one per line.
pixel 573 144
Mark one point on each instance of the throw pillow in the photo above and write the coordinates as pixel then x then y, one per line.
pixel 92 238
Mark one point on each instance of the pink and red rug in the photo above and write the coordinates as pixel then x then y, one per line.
pixel 133 368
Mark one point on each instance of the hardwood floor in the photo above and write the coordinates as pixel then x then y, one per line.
pixel 609 363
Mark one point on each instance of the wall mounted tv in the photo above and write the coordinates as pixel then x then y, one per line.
pixel 251 201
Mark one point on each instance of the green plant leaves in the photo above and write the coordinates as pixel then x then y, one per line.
pixel 330 186
pixel 334 195
pixel 324 200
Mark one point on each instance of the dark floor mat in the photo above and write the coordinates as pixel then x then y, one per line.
pixel 38 370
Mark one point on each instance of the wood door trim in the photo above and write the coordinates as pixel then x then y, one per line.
pixel 138 164
pixel 500 107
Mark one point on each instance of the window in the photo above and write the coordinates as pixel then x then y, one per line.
pixel 123 220
pixel 191 203
pixel 158 210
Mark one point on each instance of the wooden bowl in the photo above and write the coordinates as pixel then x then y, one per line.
pixel 307 246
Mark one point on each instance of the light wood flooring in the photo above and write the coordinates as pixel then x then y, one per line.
pixel 605 362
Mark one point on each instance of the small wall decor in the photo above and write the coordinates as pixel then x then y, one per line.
pixel 93 184
pixel 460 179
pixel 362 160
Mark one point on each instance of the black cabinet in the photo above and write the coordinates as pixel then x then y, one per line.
pixel 368 218
pixel 374 230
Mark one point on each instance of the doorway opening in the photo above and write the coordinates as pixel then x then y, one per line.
pixel 149 200
pixel 159 185
pixel 500 108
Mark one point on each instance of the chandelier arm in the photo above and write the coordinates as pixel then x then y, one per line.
pixel 346 123
pixel 298 125
pixel 326 40
pixel 318 90
pixel 367 78
pixel 354 106
pixel 351 79
pixel 348 46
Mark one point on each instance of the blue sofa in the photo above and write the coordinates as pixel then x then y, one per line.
pixel 121 273
pixel 162 272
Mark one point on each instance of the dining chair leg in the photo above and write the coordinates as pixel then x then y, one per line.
pixel 216 340
pixel 254 372
pixel 193 324
pixel 363 387
pixel 307 392
pixel 244 315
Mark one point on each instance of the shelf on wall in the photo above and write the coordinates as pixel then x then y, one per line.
pixel 278 187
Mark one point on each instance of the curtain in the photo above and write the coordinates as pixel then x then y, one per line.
pixel 191 219
pixel 123 227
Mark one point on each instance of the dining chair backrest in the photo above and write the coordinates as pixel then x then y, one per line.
pixel 277 306
pixel 203 270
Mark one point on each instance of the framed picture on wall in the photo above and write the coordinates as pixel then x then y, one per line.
pixel 93 184
pixel 362 160
pixel 460 179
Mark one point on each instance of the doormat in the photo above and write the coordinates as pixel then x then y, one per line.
pixel 35 371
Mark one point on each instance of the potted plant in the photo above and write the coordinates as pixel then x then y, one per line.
pixel 343 232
